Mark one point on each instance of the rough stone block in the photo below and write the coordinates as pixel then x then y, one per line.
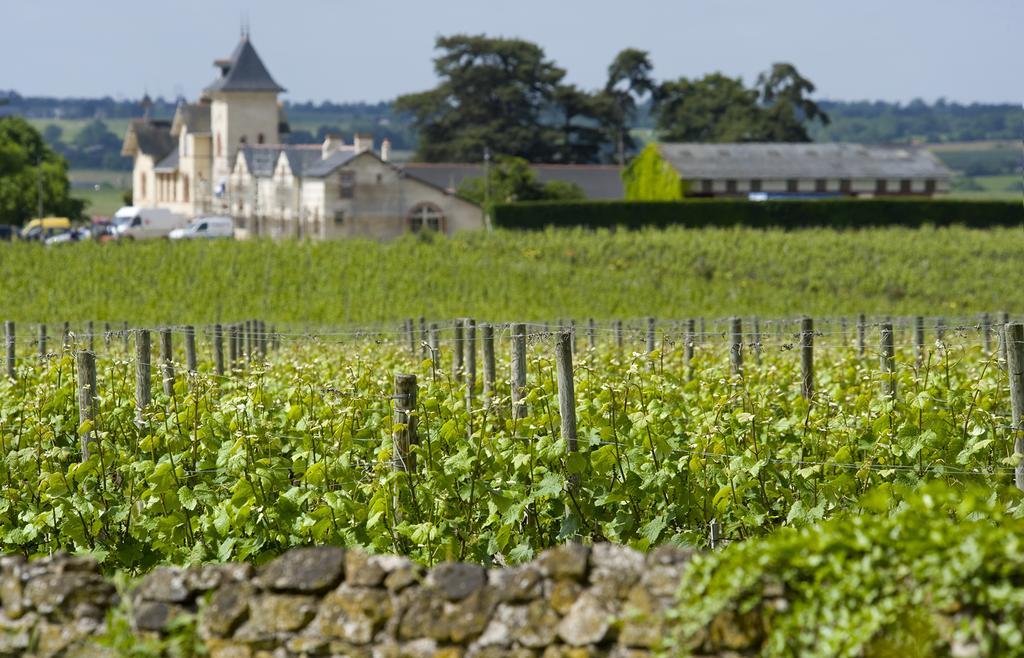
pixel 456 580
pixel 588 622
pixel 308 570
pixel 566 561
pixel 517 584
pixel 227 608
pixel 281 613
pixel 352 614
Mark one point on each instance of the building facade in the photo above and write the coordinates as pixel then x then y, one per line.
pixel 225 155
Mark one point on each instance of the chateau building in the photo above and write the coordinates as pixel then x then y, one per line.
pixel 225 154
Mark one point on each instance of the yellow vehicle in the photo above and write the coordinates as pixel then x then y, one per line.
pixel 40 229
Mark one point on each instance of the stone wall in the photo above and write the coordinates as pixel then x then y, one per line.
pixel 573 601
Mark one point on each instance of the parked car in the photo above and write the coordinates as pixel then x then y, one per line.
pixel 134 223
pixel 68 237
pixel 40 229
pixel 205 228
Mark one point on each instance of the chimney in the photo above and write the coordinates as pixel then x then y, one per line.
pixel 385 150
pixel 332 144
pixel 363 143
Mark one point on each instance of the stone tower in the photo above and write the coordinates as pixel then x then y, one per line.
pixel 243 108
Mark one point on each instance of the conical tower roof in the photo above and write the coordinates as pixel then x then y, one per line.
pixel 243 71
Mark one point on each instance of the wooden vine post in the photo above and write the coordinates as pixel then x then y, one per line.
pixel 469 359
pixel 591 333
pixel 919 341
pixel 986 332
pixel 691 339
pixel 232 346
pixel 424 344
pixel 736 345
pixel 218 349
pixel 1014 337
pixel 487 337
pixel 888 360
pixel 86 366
pixel 435 349
pixel 190 350
pixel 807 357
pixel 9 340
pixel 167 361
pixel 42 342
pixel 143 393
pixel 618 335
pixel 862 328
pixel 757 340
pixel 566 391
pixel 457 352
pixel 650 342
pixel 404 433
pixel 518 370
pixel 92 336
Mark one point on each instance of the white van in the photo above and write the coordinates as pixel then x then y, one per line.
pixel 205 228
pixel 134 223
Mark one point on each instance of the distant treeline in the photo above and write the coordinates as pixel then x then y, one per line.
pixel 879 122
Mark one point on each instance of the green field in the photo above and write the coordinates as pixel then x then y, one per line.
pixel 103 202
pixel 71 127
pixel 522 276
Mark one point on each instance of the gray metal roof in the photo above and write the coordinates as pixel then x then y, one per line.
pixel 326 166
pixel 597 181
pixel 260 160
pixel 194 116
pixel 764 161
pixel 244 71
pixel 152 137
pixel 169 164
pixel 300 158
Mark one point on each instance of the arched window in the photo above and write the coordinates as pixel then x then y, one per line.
pixel 425 216
pixel 218 146
pixel 184 188
pixel 260 139
pixel 142 186
pixel 242 139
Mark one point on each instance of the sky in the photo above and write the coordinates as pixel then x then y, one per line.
pixel 344 50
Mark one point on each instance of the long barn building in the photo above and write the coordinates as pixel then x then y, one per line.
pixel 763 170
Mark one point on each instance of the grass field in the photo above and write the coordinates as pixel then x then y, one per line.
pixel 103 202
pixel 522 276
pixel 71 127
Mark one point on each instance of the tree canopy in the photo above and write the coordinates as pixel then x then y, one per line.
pixel 491 97
pixel 27 165
pixel 505 96
pixel 718 108
pixel 511 179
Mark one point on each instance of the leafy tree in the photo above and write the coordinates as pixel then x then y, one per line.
pixel 629 79
pixel 25 161
pixel 784 94
pixel 492 94
pixel 581 138
pixel 715 108
pixel 718 108
pixel 511 179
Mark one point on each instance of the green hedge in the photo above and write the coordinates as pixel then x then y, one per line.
pixel 838 213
